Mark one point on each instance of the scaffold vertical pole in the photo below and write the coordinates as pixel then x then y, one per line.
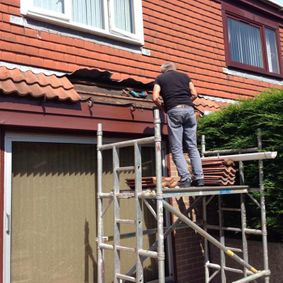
pixel 263 209
pixel 159 198
pixel 202 145
pixel 206 257
pixel 139 211
pixel 222 240
pixel 100 253
pixel 116 213
pixel 243 218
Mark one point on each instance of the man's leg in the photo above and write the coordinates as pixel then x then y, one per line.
pixel 176 142
pixel 190 139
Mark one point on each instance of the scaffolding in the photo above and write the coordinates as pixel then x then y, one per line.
pixel 201 195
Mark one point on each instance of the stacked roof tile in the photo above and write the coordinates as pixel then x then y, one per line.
pixel 219 172
pixel 150 182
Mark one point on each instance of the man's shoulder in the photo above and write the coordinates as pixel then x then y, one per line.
pixel 159 79
pixel 181 74
pixel 171 75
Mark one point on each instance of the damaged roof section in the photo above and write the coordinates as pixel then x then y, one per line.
pixel 102 87
pixel 87 84
pixel 17 82
pixel 108 78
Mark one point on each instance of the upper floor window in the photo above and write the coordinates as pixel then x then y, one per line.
pixel 118 19
pixel 252 42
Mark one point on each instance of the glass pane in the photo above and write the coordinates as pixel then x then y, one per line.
pixel 53 213
pixel 245 43
pixel 123 10
pixel 88 12
pixel 272 52
pixel 52 5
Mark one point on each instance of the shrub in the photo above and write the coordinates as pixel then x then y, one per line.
pixel 236 127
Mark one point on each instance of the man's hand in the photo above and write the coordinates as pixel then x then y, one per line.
pixel 156 98
pixel 193 91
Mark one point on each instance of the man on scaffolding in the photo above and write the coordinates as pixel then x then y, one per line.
pixel 178 93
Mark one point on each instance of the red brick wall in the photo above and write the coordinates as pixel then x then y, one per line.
pixel 189 266
pixel 281 39
pixel 189 260
pixel 187 32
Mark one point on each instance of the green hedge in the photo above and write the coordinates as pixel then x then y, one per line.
pixel 236 127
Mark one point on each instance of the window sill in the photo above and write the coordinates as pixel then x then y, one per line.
pixel 55 29
pixel 248 75
pixel 252 70
pixel 138 40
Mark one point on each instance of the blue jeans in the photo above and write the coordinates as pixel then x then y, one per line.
pixel 182 125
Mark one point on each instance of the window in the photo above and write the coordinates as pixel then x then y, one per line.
pixel 118 19
pixel 251 42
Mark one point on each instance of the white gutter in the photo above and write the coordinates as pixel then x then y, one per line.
pixel 245 156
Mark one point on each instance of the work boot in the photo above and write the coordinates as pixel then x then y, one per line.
pixel 198 183
pixel 184 184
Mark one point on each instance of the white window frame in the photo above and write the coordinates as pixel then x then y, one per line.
pixel 137 14
pixel 27 7
pixel 109 30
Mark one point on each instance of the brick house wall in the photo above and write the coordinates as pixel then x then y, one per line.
pixel 189 33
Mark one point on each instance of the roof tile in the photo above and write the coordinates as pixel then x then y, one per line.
pixel 207 105
pixel 15 81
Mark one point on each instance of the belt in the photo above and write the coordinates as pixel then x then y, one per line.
pixel 182 106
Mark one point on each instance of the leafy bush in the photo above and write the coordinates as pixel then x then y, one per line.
pixel 236 127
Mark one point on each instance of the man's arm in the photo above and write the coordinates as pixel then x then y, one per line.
pixel 156 98
pixel 193 91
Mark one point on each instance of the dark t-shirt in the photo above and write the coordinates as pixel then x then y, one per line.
pixel 174 89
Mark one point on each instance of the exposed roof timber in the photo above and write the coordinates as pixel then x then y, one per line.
pixel 106 77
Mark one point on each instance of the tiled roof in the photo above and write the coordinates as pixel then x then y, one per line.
pixel 15 81
pixel 208 105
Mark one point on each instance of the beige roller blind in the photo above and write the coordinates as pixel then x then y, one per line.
pixel 53 213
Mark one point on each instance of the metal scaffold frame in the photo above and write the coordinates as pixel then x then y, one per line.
pixel 161 195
